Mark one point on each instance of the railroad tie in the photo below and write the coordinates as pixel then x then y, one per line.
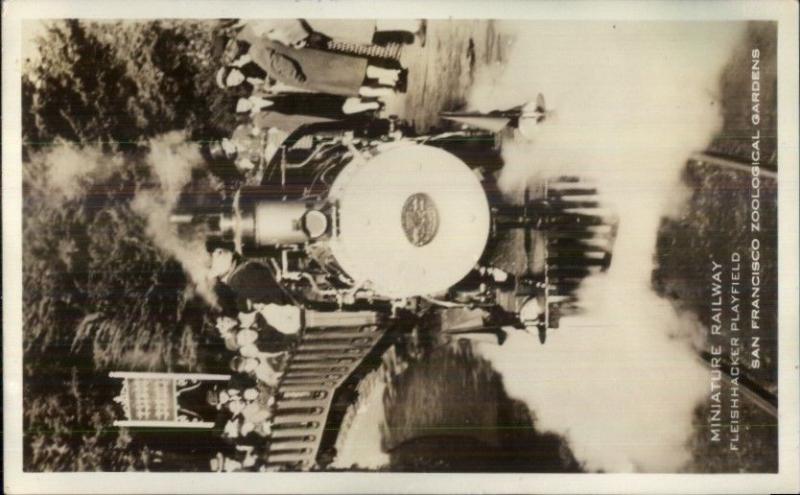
pixel 298 418
pixel 291 432
pixel 296 404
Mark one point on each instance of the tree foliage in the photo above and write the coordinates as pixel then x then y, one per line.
pixel 98 295
pixel 117 83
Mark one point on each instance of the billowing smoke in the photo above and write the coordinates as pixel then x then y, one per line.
pixel 172 160
pixel 359 443
pixel 67 169
pixel 630 102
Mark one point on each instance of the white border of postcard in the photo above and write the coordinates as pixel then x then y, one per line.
pixel 786 480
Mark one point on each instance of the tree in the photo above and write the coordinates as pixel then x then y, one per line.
pixel 98 296
pixel 97 293
pixel 118 83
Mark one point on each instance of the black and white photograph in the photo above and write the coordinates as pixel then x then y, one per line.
pixel 261 242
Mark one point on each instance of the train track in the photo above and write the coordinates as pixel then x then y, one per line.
pixel 749 388
pixel 322 362
pixel 732 165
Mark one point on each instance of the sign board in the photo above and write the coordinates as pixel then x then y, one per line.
pixel 154 399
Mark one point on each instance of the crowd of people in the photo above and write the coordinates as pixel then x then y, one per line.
pixel 259 326
pixel 280 75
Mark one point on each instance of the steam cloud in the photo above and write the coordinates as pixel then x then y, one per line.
pixel 630 102
pixel 359 443
pixel 67 170
pixel 172 160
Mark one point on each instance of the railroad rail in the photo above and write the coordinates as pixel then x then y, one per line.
pixel 743 167
pixel 757 394
pixel 749 388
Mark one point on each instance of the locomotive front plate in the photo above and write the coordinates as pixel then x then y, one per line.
pixel 420 219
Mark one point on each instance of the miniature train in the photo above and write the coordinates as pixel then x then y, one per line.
pixel 366 215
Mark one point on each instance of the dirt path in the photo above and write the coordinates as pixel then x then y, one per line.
pixel 441 71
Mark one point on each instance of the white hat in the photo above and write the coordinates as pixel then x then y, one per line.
pixel 285 318
pixel 222 73
pixel 235 406
pixel 246 336
pixel 250 394
pixel 246 319
pixel 249 351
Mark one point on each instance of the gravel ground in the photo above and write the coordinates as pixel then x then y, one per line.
pixel 441 70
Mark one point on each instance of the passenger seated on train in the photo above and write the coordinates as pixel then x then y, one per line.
pixel 255 415
pixel 241 284
pixel 242 73
pixel 313 107
pixel 240 456
pixel 287 319
pixel 249 415
pixel 249 343
pixel 317 69
pixel 263 340
pixel 258 367
pixel 227 328
pixel 237 458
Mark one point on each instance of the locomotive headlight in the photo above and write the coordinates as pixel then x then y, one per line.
pixel 315 223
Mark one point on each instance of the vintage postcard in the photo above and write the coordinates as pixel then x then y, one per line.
pixel 332 246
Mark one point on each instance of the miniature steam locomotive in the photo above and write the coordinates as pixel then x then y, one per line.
pixel 366 215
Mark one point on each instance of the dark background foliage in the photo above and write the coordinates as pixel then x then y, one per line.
pixel 98 295
pixel 117 83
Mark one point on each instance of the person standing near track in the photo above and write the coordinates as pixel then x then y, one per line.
pixel 315 69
